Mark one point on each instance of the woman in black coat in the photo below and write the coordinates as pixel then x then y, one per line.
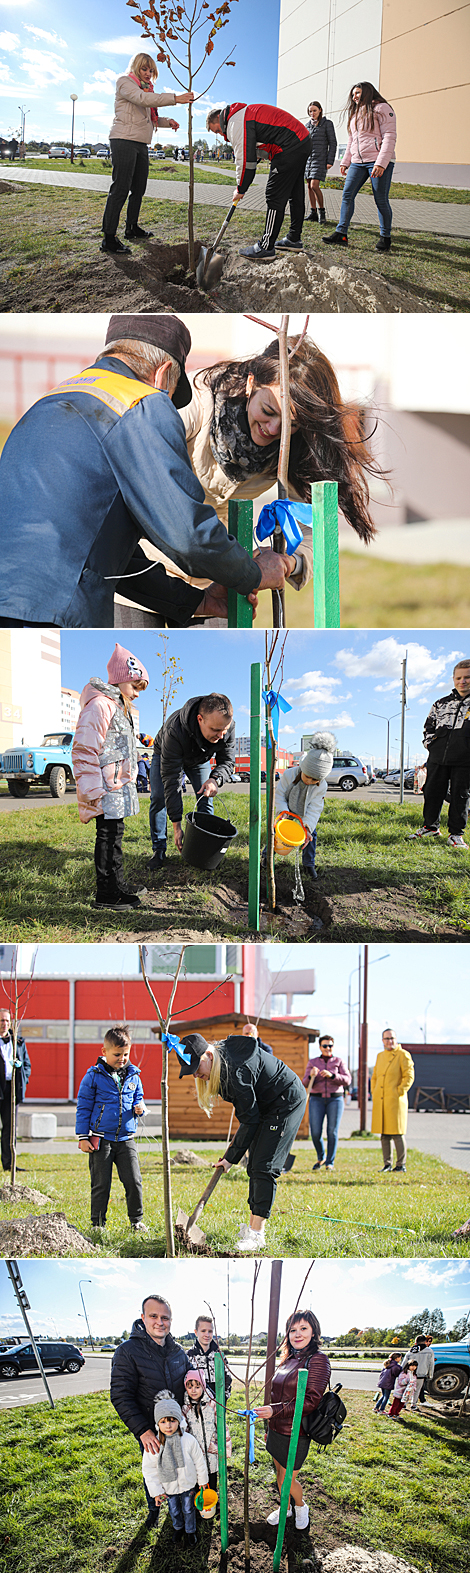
pixel 322 156
pixel 269 1102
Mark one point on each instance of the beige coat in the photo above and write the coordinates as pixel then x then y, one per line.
pixel 132 119
pixel 392 1075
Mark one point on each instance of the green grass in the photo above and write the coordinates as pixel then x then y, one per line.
pixel 377 881
pixel 74 1499
pixel 61 227
pixel 400 188
pixel 414 1215
pixel 380 594
pixel 164 169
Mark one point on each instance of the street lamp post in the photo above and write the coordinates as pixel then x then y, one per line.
pixel 388 719
pixel 80 1282
pixel 74 97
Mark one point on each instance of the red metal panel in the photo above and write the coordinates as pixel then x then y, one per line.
pixel 49 1071
pixel 114 1000
pixel 148 1057
pixel 44 999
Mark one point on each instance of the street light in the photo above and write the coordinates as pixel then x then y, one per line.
pixel 74 97
pixel 424 1029
pixel 388 719
pixel 80 1282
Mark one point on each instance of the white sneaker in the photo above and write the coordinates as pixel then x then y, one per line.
pixel 301 1516
pixel 254 1240
pixel 274 1517
pixel 244 1230
pixel 457 844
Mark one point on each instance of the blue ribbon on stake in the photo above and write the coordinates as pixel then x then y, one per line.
pixel 253 1416
pixel 277 703
pixel 287 514
pixel 173 1042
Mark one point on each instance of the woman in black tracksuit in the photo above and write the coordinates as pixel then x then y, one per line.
pixel 269 1102
pixel 321 158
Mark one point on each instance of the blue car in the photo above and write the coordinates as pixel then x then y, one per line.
pixel 451 1370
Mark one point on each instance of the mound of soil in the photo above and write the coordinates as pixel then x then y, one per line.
pixel 47 1236
pixel 22 1193
pixel 321 1549
pixel 188 1249
pixel 300 281
pixel 355 1559
pixel 183 1155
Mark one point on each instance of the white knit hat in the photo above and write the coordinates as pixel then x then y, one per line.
pixel 318 761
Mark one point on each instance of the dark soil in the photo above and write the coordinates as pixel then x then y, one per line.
pixel 155 277
pixel 331 1524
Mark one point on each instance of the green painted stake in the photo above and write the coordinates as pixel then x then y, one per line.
pixel 221 1449
pixel 326 604
pixel 240 524
pixel 255 799
pixel 287 1482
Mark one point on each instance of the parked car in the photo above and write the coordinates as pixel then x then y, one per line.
pixel 393 779
pixel 82 152
pixel 451 1369
pixel 47 764
pixel 59 152
pixel 348 773
pixel 55 1357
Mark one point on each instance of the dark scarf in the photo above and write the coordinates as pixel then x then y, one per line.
pixel 232 444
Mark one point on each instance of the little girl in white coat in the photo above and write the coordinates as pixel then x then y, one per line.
pixel 174 1471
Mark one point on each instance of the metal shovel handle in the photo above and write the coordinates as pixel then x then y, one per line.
pixel 224 226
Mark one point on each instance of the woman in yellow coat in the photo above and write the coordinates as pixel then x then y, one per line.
pixel 392 1075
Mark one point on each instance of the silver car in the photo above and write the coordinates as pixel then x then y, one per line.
pixel 348 773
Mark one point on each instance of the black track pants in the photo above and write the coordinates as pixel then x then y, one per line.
pixel 286 185
pixel 124 1155
pixel 435 788
pixel 269 1150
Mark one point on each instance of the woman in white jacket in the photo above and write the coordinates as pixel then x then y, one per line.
pixel 135 118
pixel 372 131
pixel 176 1469
pixel 302 790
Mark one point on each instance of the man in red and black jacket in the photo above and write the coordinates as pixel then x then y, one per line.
pixel 262 129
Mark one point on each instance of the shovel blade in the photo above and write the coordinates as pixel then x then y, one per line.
pixel 182 1220
pixel 194 1234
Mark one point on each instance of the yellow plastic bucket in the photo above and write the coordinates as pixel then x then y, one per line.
pixel 209 1500
pixel 289 834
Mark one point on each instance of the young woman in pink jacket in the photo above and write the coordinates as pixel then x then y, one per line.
pixel 104 755
pixel 370 153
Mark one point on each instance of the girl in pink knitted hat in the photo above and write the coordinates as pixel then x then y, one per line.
pixel 104 757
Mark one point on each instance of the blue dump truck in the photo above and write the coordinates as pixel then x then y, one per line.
pixel 46 764
pixel 451 1370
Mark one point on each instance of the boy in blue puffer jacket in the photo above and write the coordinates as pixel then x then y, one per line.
pixel 110 1097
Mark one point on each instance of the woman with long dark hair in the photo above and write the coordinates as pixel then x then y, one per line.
pixel 269 1102
pixel 321 158
pixel 301 1348
pixel 370 153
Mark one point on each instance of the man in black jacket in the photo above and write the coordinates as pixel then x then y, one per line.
pixel 185 745
pixel 447 737
pixel 149 1362
pixel 20 1068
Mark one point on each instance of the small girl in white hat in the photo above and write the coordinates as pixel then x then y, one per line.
pixel 174 1471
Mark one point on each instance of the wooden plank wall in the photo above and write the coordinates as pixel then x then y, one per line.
pixel 187 1119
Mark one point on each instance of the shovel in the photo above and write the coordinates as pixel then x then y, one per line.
pixel 207 276
pixel 190 1225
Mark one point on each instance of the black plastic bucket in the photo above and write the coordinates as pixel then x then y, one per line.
pixel 206 839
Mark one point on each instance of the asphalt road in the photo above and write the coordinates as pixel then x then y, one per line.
pixel 94 1377
pixel 39 798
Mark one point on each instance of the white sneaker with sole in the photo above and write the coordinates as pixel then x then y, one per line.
pixel 274 1517
pixel 254 1241
pixel 301 1516
pixel 457 844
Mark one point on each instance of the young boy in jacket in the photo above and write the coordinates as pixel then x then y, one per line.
pixel 110 1097
pixel 447 737
pixel 202 1352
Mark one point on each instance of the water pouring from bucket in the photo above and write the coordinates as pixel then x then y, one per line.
pixel 290 834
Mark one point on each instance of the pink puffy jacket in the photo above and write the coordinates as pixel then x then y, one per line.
pixel 364 146
pixel 104 755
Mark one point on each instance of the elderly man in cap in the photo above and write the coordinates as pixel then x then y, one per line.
pixel 99 463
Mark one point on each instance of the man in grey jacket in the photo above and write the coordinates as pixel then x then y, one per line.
pixel 95 466
pixel 185 744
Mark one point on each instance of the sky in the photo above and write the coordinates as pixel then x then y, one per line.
pixel 48 51
pixel 343 1294
pixel 412 988
pixel 332 679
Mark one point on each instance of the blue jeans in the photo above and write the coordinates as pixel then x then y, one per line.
pixel 157 811
pixel 355 178
pixel 182 1512
pixel 382 1403
pixel 317 1108
pixel 308 854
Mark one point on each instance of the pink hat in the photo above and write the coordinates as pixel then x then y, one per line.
pixel 195 1376
pixel 124 667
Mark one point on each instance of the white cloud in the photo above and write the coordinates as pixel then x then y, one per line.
pixel 330 721
pixel 384 660
pixel 101 82
pixel 125 45
pixel 432 1273
pixel 49 38
pixel 288 729
pixel 244 709
pixel 5 73
pixel 84 107
pixel 45 68
pixel 314 679
pixel 9 41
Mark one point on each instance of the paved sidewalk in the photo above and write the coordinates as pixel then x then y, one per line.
pixel 437 541
pixel 435 218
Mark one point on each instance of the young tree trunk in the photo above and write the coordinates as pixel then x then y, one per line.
pixel 165 1025
pixel 14 1030
pixel 279 545
pixel 246 1488
pixel 270 792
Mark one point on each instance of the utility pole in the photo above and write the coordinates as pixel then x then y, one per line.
pixel 402 733
pixel 273 1324
pixel 363 1051
pixel 24 1305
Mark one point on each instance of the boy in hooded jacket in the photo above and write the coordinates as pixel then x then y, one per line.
pixel 447 738
pixel 110 1097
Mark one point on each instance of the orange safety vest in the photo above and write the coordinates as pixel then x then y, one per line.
pixel 118 392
